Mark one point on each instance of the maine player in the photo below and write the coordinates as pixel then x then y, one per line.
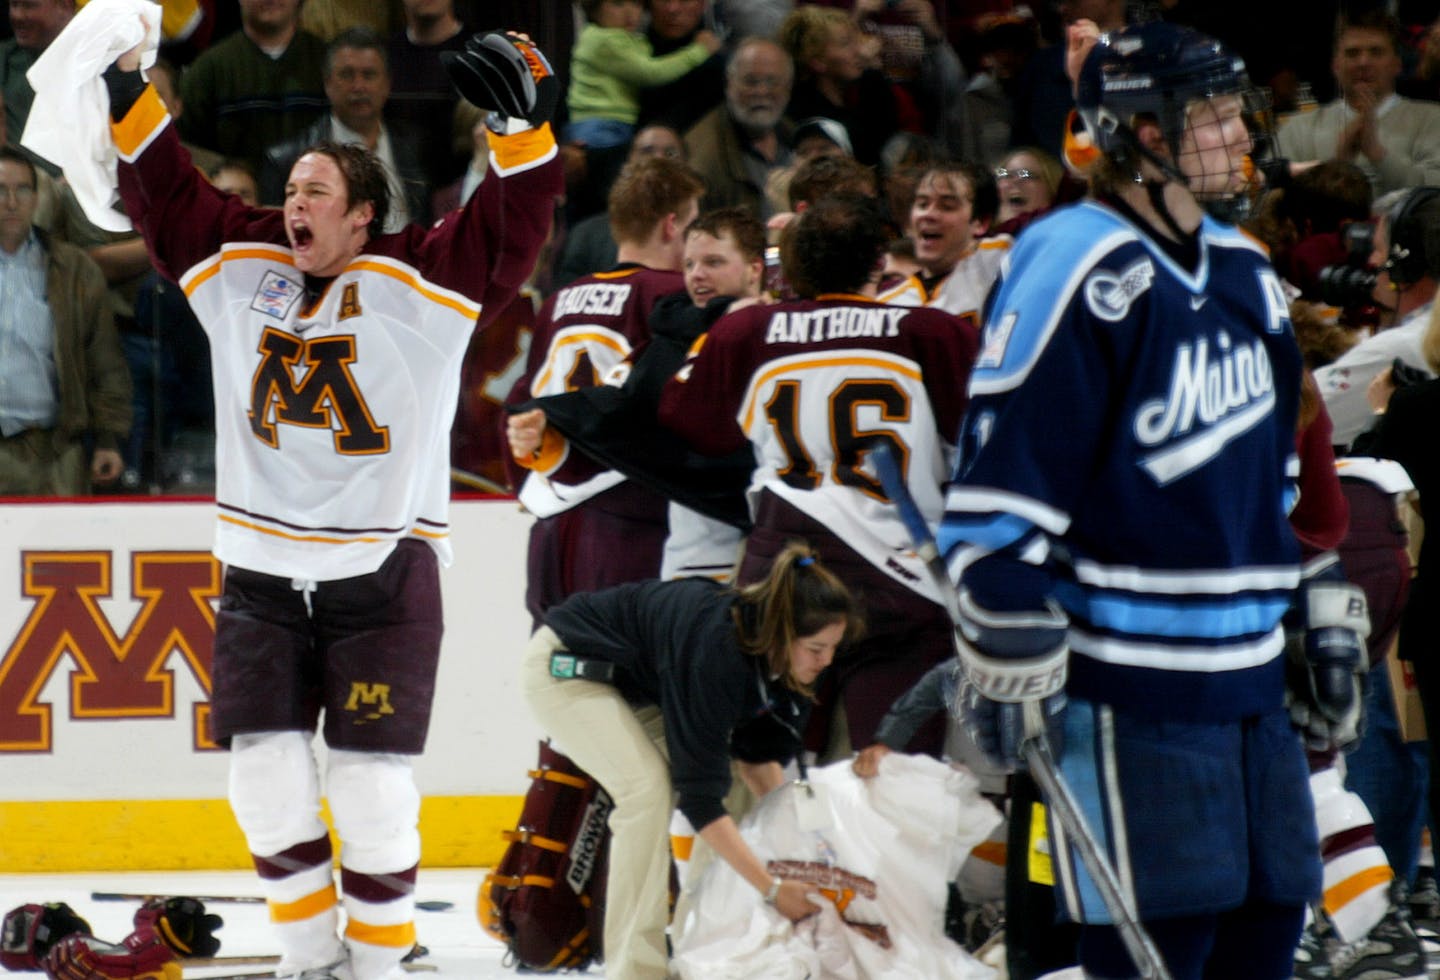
pixel 1120 511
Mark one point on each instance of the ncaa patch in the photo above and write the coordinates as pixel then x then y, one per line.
pixel 276 295
pixel 1110 296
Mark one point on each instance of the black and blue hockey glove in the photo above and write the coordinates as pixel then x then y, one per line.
pixel 1327 662
pixel 1015 665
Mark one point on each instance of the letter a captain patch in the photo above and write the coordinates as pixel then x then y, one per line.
pixel 349 301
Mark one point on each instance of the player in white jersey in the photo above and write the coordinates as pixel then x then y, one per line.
pixel 953 208
pixel 337 353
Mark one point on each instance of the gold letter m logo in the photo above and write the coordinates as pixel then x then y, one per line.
pixel 374 696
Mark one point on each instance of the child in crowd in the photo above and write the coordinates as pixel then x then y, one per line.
pixel 611 62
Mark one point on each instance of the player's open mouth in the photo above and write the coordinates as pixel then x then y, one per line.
pixel 301 236
pixel 1017 200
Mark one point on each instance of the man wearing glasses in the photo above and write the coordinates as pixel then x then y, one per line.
pixel 62 373
pixel 736 145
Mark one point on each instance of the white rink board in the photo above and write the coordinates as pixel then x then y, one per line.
pixel 481 738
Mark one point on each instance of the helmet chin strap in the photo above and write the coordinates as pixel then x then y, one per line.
pixel 1155 190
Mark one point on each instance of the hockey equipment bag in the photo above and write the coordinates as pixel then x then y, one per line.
pixel 545 900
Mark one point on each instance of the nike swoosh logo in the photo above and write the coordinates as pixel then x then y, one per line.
pixel 1198 301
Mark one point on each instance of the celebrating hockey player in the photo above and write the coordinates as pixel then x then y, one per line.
pixel 1118 527
pixel 595 529
pixel 808 385
pixel 333 481
pixel 949 219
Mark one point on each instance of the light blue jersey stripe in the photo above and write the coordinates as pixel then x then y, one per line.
pixel 1221 619
pixel 992 532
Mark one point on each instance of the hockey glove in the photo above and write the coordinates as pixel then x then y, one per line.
pixel 182 924
pixel 142 957
pixel 1326 663
pixel 30 930
pixel 1014 679
pixel 504 73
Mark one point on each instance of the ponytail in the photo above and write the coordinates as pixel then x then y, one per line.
pixel 799 597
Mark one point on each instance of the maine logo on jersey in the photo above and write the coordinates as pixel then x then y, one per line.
pixel 325 397
pixel 1110 296
pixel 1214 397
pixel 276 295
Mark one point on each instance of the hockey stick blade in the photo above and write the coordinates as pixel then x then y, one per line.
pixel 430 905
pixel 272 975
pixel 1036 750
pixel 207 899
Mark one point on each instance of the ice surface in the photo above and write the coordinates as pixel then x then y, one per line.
pixel 458 946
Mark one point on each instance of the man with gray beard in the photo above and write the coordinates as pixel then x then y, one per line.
pixel 737 144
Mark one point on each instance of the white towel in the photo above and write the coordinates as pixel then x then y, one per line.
pixel 69 122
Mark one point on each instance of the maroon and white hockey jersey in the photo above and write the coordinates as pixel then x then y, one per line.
pixel 333 416
pixel 810 384
pixel 585 332
pixel 962 291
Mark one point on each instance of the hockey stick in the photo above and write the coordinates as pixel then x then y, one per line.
pixel 1035 748
pixel 272 975
pixel 477 482
pixel 426 906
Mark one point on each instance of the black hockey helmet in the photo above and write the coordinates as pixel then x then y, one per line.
pixel 1148 74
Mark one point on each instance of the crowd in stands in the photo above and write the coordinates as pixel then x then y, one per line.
pixel 745 91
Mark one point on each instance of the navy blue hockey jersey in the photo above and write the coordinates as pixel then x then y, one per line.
pixel 1135 422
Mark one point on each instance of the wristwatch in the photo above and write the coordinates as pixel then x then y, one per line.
pixel 774 891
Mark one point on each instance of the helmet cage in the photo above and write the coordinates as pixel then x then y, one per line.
pixel 1150 75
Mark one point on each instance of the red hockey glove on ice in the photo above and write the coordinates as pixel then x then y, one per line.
pixel 182 924
pixel 31 930
pixel 142 957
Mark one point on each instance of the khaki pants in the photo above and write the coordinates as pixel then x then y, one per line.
pixel 622 747
pixel 37 462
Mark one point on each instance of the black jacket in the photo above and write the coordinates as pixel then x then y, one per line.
pixel 675 646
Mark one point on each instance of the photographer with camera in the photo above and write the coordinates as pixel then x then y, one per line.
pixel 1401 277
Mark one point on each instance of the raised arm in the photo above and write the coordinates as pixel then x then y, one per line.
pixel 488 249
pixel 181 216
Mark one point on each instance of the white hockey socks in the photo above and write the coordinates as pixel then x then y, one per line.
pixel 1357 876
pixel 275 793
pixel 376 808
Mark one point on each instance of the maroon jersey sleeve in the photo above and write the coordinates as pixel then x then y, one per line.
pixel 945 348
pixel 700 403
pixel 1321 516
pixel 182 217
pixel 488 248
pixel 584 332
